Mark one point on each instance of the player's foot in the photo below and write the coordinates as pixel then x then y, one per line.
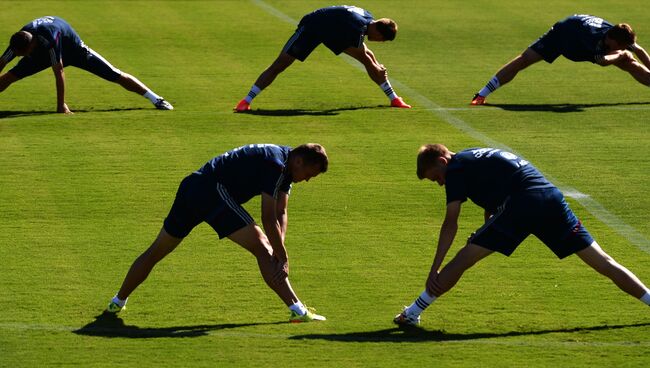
pixel 161 104
pixel 404 319
pixel 242 106
pixel 398 102
pixel 114 308
pixel 478 100
pixel 310 316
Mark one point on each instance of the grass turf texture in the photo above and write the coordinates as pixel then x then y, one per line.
pixel 83 195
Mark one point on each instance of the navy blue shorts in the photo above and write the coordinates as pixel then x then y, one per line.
pixel 302 43
pixel 82 57
pixel 541 212
pixel 201 200
pixel 551 43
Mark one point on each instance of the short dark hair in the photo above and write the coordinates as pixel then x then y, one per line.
pixel 312 154
pixel 623 34
pixel 387 28
pixel 20 40
pixel 427 157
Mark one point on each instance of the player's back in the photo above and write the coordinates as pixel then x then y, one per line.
pixel 249 170
pixel 488 176
pixel 333 18
pixel 583 36
pixel 54 30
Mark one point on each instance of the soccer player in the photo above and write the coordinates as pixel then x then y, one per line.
pixel 518 201
pixel 578 38
pixel 341 29
pixel 214 194
pixel 51 41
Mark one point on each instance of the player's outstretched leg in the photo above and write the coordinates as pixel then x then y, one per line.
pixel 253 239
pixel 506 74
pixel 265 79
pixel 131 83
pixel 141 267
pixel 439 283
pixel 600 261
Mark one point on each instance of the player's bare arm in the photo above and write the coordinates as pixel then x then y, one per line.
pixel 618 56
pixel 640 53
pixel 59 76
pixel 272 227
pixel 445 240
pixel 447 234
pixel 281 213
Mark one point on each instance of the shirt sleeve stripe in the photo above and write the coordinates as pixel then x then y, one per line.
pixel 53 58
pixel 278 184
pixel 8 55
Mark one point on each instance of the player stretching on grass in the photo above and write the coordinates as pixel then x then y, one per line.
pixel 578 38
pixel 518 201
pixel 214 194
pixel 50 41
pixel 341 29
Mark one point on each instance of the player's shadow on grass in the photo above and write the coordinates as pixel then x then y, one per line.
pixel 17 114
pixel 114 109
pixel 563 107
pixel 110 325
pixel 305 112
pixel 418 334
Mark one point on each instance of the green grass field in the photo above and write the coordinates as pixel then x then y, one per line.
pixel 81 196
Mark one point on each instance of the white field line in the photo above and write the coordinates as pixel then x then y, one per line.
pixel 496 340
pixel 595 208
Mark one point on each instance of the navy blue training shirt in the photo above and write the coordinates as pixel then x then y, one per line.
pixel 54 35
pixel 338 27
pixel 583 37
pixel 251 170
pixel 488 176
